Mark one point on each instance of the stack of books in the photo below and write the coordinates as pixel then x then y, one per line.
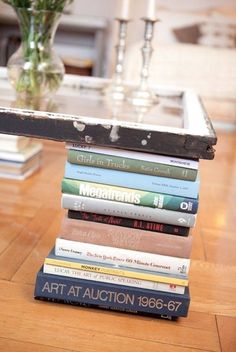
pixel 125 242
pixel 20 156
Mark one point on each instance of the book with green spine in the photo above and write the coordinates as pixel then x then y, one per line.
pixel 127 195
pixel 116 162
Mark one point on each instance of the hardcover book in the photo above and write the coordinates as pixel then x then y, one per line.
pixel 120 237
pixel 100 306
pixel 182 188
pixel 110 295
pixel 122 257
pixel 136 155
pixel 128 222
pixel 108 207
pixel 10 143
pixel 128 195
pixel 131 161
pixel 24 154
pixel 114 269
pixel 19 168
pixel 20 165
pixel 52 268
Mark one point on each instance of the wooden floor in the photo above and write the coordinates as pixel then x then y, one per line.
pixel 30 217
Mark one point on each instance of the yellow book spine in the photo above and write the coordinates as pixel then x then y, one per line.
pixel 117 271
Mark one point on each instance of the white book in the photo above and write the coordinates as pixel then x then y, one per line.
pixel 12 167
pixel 122 257
pixel 24 154
pixel 130 154
pixel 112 279
pixel 10 143
pixel 11 137
pixel 19 177
pixel 126 210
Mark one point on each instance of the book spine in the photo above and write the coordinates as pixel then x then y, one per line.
pixel 122 257
pixel 130 223
pixel 131 154
pixel 115 270
pixel 97 306
pixel 126 195
pixel 131 165
pixel 116 296
pixel 113 279
pixel 120 237
pixel 108 207
pixel 156 184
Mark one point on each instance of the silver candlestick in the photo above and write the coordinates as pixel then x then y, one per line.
pixel 143 95
pixel 116 90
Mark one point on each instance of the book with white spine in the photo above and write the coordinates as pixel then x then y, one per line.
pixel 131 154
pixel 24 154
pixel 126 210
pixel 122 257
pixel 12 143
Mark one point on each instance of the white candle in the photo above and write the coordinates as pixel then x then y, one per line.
pixel 124 12
pixel 151 9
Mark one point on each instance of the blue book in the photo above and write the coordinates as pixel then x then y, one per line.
pixel 112 296
pixel 183 188
pixel 96 306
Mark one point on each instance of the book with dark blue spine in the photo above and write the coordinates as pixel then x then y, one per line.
pixel 127 298
pixel 156 184
pixel 96 306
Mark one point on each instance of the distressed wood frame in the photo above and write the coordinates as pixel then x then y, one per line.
pixel 195 140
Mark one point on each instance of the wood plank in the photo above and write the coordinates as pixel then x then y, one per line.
pixel 26 273
pixel 198 250
pixel 220 246
pixel 22 245
pixel 95 329
pixel 227 329
pixel 10 345
pixel 9 231
pixel 212 288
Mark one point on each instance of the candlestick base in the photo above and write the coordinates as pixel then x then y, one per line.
pixel 141 97
pixel 116 91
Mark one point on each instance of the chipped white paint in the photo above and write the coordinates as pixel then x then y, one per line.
pixel 107 127
pixel 79 126
pixel 144 142
pixel 114 136
pixel 88 139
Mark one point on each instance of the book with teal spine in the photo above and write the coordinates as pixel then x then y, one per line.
pixel 132 196
pixel 132 180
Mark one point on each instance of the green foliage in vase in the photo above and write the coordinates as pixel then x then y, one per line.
pixel 35 70
pixel 48 5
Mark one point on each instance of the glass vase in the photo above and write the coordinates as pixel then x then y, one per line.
pixel 35 70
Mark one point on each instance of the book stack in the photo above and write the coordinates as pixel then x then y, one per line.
pixel 125 242
pixel 19 156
